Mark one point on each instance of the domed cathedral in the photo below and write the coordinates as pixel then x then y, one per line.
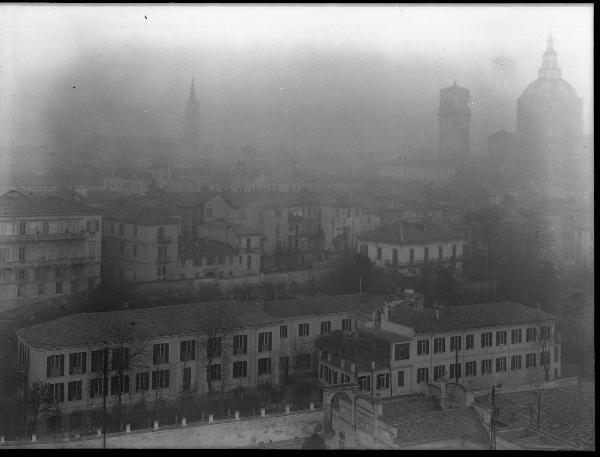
pixel 191 133
pixel 549 124
pixel 454 124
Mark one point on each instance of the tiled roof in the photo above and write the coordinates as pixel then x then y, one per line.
pixel 567 413
pixel 415 429
pixel 384 335
pixel 188 248
pixel 467 317
pixel 408 233
pixel 188 199
pixel 142 211
pixel 92 328
pixel 404 405
pixel 324 304
pixel 16 203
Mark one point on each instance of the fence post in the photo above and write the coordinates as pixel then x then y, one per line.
pixel 287 409
pixel 33 437
pixel 155 425
pixel 237 415
pixel 312 406
pixel 210 418
pixel 128 428
pixel 183 421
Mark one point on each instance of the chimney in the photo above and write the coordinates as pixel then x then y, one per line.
pixel 352 367
pixel 437 314
pixel 373 365
pixel 343 363
pixel 329 357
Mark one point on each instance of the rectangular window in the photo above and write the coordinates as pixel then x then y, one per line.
pixel 22 228
pixel 422 347
pixel 346 325
pixel 530 334
pixel 378 253
pixel 187 379
pixel 530 361
pixel 74 389
pixel 455 343
pixel 400 378
pixel 187 350
pixel 455 371
pixel 364 250
pixel 515 362
pixel 303 329
pixel 401 351
pixel 96 388
pixel 265 341
pixel 422 375
pixel 120 358
pixel 544 358
pixel 440 252
pixel 55 366
pixel 454 251
pixel 240 369
pixel 470 368
pixel 121 229
pixel 97 360
pixel 240 344
pixel 500 364
pixel 264 366
pixel 21 253
pixel 284 366
pixel 486 366
pixel 160 379
pixel 439 345
pixel 121 247
pixel 470 343
pixel 135 231
pixel 142 382
pixel 516 336
pixel 438 372
pixel 160 353
pixel 45 228
pixel 545 331
pixel 325 327
pixel 283 332
pixel 77 363
pixel 556 353
pixel 20 290
pixel 56 392
pixel 426 255
pixel 214 372
pixel 119 384
pixel 59 287
pixel 486 339
pixel 364 383
pixel 134 249
pixel 22 275
pixel 383 381
pixel 214 348
pixel 501 338
pixel 411 259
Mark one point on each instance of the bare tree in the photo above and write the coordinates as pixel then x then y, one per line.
pixel 38 399
pixel 216 323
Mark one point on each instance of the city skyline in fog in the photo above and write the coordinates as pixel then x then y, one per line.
pixel 341 80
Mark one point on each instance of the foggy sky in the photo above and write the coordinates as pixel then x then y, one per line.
pixel 352 80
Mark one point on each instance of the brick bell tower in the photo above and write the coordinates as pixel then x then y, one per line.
pixel 454 123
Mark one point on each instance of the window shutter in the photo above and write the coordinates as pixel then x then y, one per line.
pixel 83 362
pixel 61 390
pixel 155 353
pixel 167 353
pixel 193 350
pixel 48 366
pixel 62 365
pixel 71 364
pixel 166 378
pixel 181 351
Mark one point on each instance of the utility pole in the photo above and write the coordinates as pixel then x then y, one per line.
pixel 104 392
pixel 493 421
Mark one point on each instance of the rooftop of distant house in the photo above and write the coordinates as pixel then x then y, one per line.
pixel 190 248
pixel 141 211
pixel 18 203
pixel 566 413
pixel 456 318
pixel 91 329
pixel 411 233
pixel 55 179
pixel 417 161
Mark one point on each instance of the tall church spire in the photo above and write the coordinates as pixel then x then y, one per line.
pixel 193 93
pixel 549 68
pixel 192 120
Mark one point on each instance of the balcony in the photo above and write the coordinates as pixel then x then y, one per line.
pixel 34 238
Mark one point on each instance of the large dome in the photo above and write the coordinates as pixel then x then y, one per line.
pixel 545 87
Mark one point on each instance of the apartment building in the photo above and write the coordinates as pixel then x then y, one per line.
pixel 49 246
pixel 502 344
pixel 411 247
pixel 160 352
pixel 343 219
pixel 139 244
pixel 207 258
